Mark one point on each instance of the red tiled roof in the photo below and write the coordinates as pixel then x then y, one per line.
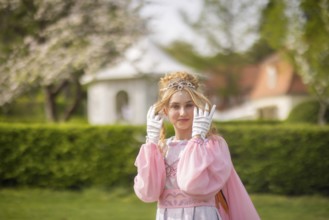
pixel 283 80
pixel 253 82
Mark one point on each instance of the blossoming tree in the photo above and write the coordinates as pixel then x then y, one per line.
pixel 51 43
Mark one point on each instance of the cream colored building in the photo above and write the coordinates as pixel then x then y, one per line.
pixel 122 93
pixel 276 91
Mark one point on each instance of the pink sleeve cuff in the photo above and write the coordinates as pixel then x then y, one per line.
pixel 204 167
pixel 151 176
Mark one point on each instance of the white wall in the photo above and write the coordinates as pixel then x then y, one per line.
pixel 283 103
pixel 243 112
pixel 142 94
pixel 137 93
pixel 249 110
pixel 99 107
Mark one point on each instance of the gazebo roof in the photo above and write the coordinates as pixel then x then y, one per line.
pixel 142 58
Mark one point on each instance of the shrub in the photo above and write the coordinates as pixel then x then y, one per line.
pixel 306 112
pixel 281 159
pixel 66 156
pixel 285 159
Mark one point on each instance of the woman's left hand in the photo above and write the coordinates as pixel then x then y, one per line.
pixel 202 121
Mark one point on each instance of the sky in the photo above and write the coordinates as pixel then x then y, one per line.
pixel 166 24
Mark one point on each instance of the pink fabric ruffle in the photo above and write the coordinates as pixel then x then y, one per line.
pixel 204 167
pixel 151 173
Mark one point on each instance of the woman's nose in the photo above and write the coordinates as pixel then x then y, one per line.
pixel 182 111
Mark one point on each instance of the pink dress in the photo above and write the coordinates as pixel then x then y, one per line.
pixel 185 181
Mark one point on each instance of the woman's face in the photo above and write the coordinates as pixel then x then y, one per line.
pixel 180 111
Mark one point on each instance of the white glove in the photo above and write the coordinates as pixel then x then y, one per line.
pixel 202 121
pixel 154 124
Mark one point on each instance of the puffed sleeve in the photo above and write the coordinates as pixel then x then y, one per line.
pixel 151 176
pixel 204 167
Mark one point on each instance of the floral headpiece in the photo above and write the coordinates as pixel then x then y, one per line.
pixel 179 85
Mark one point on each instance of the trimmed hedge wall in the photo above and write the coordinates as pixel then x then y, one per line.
pixel 269 158
pixel 306 112
pixel 66 156
pixel 281 159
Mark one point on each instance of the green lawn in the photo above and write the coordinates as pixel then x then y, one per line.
pixel 95 204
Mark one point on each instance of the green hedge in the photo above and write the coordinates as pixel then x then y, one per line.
pixel 306 112
pixel 269 158
pixel 281 159
pixel 66 156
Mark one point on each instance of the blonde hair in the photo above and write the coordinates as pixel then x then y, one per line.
pixel 166 91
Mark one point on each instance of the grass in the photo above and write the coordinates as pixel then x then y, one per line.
pixel 272 207
pixel 121 204
pixel 37 204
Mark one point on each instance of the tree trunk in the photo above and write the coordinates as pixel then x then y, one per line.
pixel 50 104
pixel 76 102
pixel 51 93
pixel 322 112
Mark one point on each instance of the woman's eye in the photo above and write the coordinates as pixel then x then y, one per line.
pixel 175 106
pixel 189 105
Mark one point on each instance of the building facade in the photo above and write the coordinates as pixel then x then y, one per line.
pixel 122 93
pixel 275 90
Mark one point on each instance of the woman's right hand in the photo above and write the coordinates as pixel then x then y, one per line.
pixel 154 124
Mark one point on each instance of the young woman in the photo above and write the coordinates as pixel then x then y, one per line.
pixel 191 174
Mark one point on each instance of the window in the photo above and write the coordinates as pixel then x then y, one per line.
pixel 271 74
pixel 268 113
pixel 122 106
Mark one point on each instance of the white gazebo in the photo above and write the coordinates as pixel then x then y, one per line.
pixel 122 93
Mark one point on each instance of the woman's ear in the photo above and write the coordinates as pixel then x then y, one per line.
pixel 165 111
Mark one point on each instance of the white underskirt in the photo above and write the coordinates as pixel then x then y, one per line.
pixel 192 213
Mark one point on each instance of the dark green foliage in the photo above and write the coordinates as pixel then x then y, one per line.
pixel 67 157
pixel 281 159
pixel 248 122
pixel 306 26
pixel 306 112
pixel 274 24
pixel 273 158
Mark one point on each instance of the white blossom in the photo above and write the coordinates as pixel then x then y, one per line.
pixel 89 36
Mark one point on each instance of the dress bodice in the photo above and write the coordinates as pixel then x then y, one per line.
pixel 174 150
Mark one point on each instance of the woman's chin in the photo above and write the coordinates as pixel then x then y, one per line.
pixel 183 126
